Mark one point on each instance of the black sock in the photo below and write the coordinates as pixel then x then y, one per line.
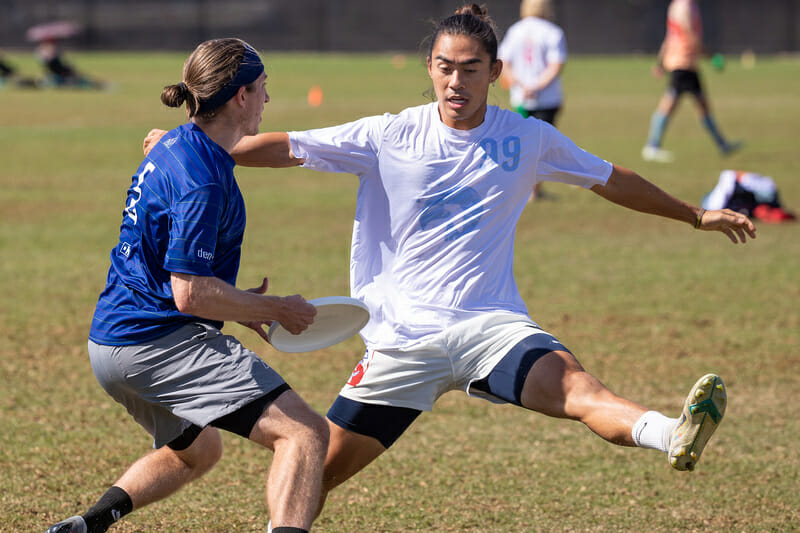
pixel 112 506
pixel 288 530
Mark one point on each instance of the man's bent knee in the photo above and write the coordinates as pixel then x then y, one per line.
pixel 203 453
pixel 290 419
pixel 550 382
pixel 311 433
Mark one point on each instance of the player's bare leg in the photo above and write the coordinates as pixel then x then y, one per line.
pixel 652 150
pixel 558 386
pixel 704 115
pixel 163 471
pixel 348 454
pixel 299 438
pixel 151 478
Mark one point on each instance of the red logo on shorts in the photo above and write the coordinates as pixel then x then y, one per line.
pixel 359 370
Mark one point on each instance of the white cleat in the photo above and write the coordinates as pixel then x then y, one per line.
pixel 656 154
pixel 702 413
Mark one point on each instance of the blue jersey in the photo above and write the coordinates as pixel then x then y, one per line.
pixel 184 213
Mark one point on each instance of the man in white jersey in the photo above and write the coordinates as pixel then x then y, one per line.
pixel 534 51
pixel 441 189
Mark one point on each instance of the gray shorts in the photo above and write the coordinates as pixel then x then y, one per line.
pixel 194 375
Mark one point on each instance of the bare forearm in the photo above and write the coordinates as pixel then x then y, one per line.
pixel 212 298
pixel 265 150
pixel 628 189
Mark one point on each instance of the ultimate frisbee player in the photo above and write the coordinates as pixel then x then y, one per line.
pixel 155 343
pixel 441 188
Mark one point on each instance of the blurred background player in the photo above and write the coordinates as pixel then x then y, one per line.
pixel 60 73
pixel 679 56
pixel 534 51
pixel 6 70
pixel 9 74
pixel 155 343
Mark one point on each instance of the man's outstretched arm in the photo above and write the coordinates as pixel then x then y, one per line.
pixel 262 150
pixel 628 189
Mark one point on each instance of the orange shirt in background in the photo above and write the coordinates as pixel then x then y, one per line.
pixel 683 44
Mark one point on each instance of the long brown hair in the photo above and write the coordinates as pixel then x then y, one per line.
pixel 211 66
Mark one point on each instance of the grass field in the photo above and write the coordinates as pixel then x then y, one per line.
pixel 648 305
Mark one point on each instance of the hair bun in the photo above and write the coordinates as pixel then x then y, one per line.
pixel 475 10
pixel 175 95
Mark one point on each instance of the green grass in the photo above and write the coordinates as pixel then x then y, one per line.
pixel 646 304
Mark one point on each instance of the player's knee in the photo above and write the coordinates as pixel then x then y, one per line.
pixel 315 434
pixel 204 452
pixel 307 434
pixel 579 383
pixel 585 393
pixel 211 452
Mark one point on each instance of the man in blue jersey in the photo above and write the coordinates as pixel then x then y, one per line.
pixel 155 343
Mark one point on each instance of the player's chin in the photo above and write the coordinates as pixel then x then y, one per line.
pixel 252 128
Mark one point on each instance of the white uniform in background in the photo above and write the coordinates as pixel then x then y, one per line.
pixel 529 46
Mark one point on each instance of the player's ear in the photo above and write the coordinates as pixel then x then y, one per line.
pixel 497 69
pixel 241 96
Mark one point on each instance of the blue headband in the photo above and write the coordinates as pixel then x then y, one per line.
pixel 249 70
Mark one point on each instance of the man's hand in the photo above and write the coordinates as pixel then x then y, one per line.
pixel 657 71
pixel 152 139
pixel 297 315
pixel 735 225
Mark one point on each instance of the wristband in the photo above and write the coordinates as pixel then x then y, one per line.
pixel 699 218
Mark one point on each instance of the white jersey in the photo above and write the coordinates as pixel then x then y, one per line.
pixel 433 238
pixel 528 47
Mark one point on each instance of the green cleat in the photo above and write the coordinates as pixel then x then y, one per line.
pixel 702 413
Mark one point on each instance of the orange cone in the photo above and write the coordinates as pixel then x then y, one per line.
pixel 315 96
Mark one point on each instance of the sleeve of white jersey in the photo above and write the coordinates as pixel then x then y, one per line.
pixel 352 147
pixel 561 160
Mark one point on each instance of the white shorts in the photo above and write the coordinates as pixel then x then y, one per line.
pixel 416 376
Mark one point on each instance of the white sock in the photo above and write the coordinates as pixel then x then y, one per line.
pixel 269 526
pixel 653 430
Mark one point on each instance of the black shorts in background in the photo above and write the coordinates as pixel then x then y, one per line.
pixel 685 81
pixel 547 114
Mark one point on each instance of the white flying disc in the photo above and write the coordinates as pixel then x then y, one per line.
pixel 338 318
